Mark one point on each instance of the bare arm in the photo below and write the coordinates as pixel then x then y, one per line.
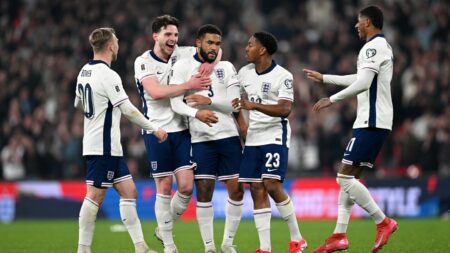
pixel 205 116
pixel 281 109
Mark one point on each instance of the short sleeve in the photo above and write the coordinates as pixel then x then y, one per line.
pixel 143 69
pixel 114 89
pixel 233 77
pixel 372 57
pixel 178 74
pixel 286 88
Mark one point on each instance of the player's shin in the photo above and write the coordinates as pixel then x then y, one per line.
pixel 164 218
pixel 131 220
pixel 287 212
pixel 88 215
pixel 205 217
pixel 233 213
pixel 262 221
pixel 345 205
pixel 361 196
pixel 179 204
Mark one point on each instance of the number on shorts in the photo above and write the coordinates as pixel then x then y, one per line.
pixel 273 160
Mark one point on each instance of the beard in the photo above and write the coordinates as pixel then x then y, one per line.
pixel 205 57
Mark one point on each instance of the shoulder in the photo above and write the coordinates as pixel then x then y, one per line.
pixel 282 72
pixel 143 57
pixel 246 69
pixel 376 46
pixel 185 49
pixel 183 63
pixel 226 65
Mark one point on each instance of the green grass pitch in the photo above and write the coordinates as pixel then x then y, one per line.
pixel 428 235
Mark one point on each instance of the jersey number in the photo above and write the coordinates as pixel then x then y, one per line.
pixel 273 160
pixel 350 145
pixel 257 100
pixel 210 91
pixel 86 98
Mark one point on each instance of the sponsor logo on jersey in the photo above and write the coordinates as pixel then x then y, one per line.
pixel 371 52
pixel 288 83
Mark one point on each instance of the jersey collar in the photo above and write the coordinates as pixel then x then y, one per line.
pixel 93 62
pixel 198 58
pixel 376 35
pixel 272 66
pixel 152 54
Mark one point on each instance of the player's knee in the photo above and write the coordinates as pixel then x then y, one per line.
pixel 345 182
pixel 272 186
pixel 258 189
pixel 186 188
pixel 237 194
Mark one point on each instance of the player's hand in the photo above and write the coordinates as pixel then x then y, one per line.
pixel 322 103
pixel 161 135
pixel 206 116
pixel 235 104
pixel 196 99
pixel 206 69
pixel 313 75
pixel 243 104
pixel 199 82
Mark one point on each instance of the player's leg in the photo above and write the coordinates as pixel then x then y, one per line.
pixel 361 152
pixel 250 172
pixel 274 169
pixel 230 159
pixel 205 155
pixel 183 173
pixel 124 185
pixel 97 182
pixel 160 158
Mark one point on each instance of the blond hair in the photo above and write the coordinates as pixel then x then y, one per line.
pixel 100 37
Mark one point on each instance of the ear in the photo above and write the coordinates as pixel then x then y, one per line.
pixel 198 43
pixel 262 50
pixel 155 36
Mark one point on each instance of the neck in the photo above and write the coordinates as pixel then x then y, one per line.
pixel 103 57
pixel 372 33
pixel 161 54
pixel 263 63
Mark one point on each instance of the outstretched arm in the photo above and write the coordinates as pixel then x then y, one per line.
pixel 205 116
pixel 159 91
pixel 315 76
pixel 135 116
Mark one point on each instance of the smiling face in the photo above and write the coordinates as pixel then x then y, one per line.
pixel 165 40
pixel 209 46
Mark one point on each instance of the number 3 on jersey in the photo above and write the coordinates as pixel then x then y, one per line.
pixel 273 160
pixel 210 91
pixel 86 99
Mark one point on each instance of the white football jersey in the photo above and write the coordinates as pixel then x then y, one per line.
pixel 267 88
pixel 100 90
pixel 224 79
pixel 159 111
pixel 375 104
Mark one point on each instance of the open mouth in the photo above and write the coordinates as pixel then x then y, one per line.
pixel 170 46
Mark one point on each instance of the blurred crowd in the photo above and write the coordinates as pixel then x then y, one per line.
pixel 43 45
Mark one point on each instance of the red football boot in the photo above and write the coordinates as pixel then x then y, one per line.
pixel 384 230
pixel 297 247
pixel 262 251
pixel 336 242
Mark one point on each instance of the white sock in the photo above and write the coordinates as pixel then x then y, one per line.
pixel 287 212
pixel 233 213
pixel 205 217
pixel 262 222
pixel 345 205
pixel 88 215
pixel 179 204
pixel 361 196
pixel 130 219
pixel 164 218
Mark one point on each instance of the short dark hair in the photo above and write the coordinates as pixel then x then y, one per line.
pixel 163 21
pixel 267 40
pixel 99 37
pixel 208 28
pixel 374 14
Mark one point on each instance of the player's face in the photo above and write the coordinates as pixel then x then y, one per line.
pixel 114 47
pixel 253 50
pixel 166 39
pixel 209 46
pixel 361 26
